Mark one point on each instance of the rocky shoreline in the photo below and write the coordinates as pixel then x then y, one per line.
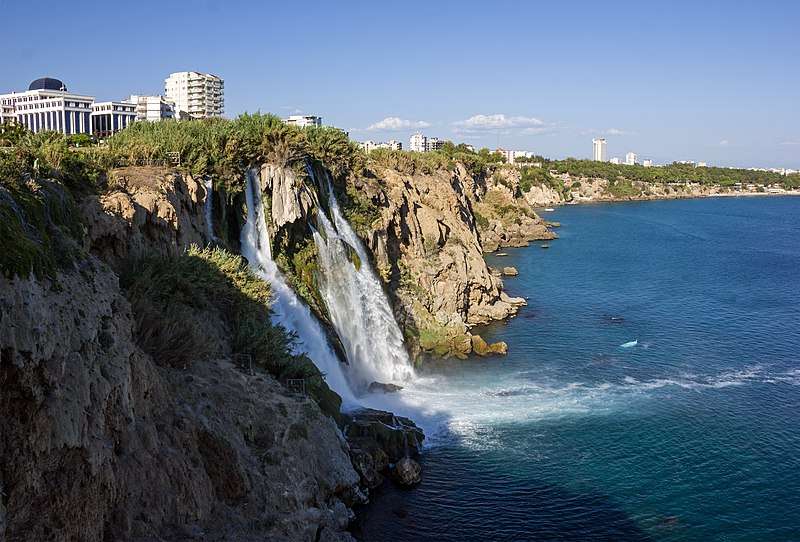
pixel 597 190
pixel 103 439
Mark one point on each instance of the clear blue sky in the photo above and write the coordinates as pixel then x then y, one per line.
pixel 717 80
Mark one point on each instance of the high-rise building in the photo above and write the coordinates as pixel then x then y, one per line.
pixel 647 163
pixel 599 149
pixel 630 159
pixel 422 143
pixel 301 121
pixel 47 105
pixel 152 108
pixel 198 95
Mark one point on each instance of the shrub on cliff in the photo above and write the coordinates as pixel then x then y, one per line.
pixel 176 301
pixel 223 148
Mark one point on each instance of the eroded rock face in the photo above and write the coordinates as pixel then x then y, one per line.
pixel 542 196
pixel 428 247
pixel 291 200
pixel 378 440
pixel 508 217
pixel 99 443
pixel 148 211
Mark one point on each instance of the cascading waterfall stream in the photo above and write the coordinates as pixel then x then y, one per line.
pixel 288 310
pixel 208 209
pixel 357 304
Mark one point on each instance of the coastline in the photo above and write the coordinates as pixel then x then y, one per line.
pixel 540 207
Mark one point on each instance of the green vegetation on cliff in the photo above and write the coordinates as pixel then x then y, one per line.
pixel 672 173
pixel 224 148
pixel 40 227
pixel 208 303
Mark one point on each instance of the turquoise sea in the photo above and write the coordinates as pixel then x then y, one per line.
pixel 690 431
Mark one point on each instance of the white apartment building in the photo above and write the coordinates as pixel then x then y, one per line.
pixel 422 143
pixel 511 156
pixel 302 121
pixel 152 108
pixel 599 149
pixel 630 159
pixel 647 163
pixel 47 105
pixel 199 95
pixel 370 146
pixel 614 160
pixel 110 117
pixel 7 113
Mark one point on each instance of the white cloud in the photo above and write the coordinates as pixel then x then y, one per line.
pixel 724 143
pixel 497 121
pixel 796 142
pixel 390 124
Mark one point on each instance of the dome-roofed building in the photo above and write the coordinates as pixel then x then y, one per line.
pixel 47 83
pixel 47 105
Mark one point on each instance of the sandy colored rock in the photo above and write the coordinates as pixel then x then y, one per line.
pixel 482 348
pixel 429 247
pixel 146 211
pixel 510 271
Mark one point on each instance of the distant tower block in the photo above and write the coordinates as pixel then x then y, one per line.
pixel 599 149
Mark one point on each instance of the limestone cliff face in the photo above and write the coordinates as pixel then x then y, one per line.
pixel 543 196
pixel 99 443
pixel 291 201
pixel 428 247
pixel 587 190
pixel 507 218
pixel 146 211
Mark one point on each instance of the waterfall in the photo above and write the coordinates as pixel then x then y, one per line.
pixel 288 310
pixel 208 209
pixel 357 304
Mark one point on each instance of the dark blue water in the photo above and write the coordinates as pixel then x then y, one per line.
pixel 691 433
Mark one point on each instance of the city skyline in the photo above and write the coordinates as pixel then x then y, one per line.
pixel 725 93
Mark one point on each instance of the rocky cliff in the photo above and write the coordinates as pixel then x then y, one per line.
pixel 100 443
pixel 428 232
pixel 104 441
pixel 582 189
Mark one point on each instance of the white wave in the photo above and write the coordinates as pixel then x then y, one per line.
pixel 629 344
pixel 470 411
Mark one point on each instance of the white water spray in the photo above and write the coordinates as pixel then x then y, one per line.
pixel 289 311
pixel 357 304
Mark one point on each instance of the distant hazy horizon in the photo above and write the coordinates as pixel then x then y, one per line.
pixel 712 82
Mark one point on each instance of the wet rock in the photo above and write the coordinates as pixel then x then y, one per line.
pixel 380 387
pixel 378 439
pixel 510 271
pixel 397 436
pixel 407 472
